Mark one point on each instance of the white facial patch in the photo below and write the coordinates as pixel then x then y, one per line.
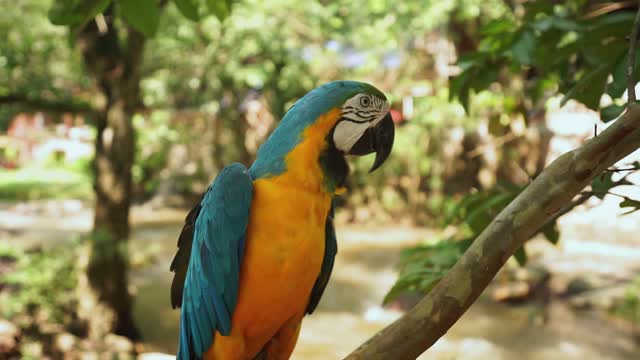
pixel 347 134
pixel 358 114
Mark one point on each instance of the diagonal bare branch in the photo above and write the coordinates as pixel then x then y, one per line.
pixel 544 199
pixel 423 325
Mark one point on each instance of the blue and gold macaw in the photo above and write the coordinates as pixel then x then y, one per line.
pixel 256 254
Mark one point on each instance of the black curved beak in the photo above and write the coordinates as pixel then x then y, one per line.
pixel 378 139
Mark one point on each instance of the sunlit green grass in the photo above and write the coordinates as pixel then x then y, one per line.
pixel 44 183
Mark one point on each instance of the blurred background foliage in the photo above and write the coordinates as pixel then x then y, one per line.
pixel 470 83
pixel 578 50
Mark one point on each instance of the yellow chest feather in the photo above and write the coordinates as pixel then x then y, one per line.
pixel 286 233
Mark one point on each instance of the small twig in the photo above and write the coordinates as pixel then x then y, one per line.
pixel 631 64
pixel 584 196
pixel 603 193
pixel 602 9
pixel 553 189
pixel 623 169
pixel 101 23
pixel 595 130
pixel 617 195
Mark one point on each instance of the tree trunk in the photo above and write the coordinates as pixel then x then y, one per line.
pixel 231 114
pixel 116 71
pixel 108 264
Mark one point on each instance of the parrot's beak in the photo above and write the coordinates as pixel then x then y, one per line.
pixel 378 139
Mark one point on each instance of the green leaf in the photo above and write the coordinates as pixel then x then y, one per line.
pixel 564 24
pixel 467 61
pixel 458 211
pixel 547 23
pixel 422 266
pixel 188 8
pixel 142 15
pixel 588 90
pixel 603 183
pixel 615 24
pixel 486 77
pixel 497 27
pixel 523 47
pixel 545 55
pixel 551 233
pixel 596 54
pixel 618 86
pixel 535 8
pixel 459 87
pixel 220 8
pixel 630 203
pixel 75 13
pixel 521 256
pixel 480 214
pixel 611 112
pixel 62 13
pixel 480 217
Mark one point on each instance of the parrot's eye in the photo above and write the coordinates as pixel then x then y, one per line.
pixel 365 101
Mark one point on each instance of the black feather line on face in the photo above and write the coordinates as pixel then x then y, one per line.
pixel 378 103
pixel 366 116
pixel 353 120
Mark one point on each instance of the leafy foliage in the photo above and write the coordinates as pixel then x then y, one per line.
pixel 76 13
pixel 423 266
pixel 35 61
pixel 206 62
pixel 143 15
pixel 566 48
pixel 42 284
pixel 603 184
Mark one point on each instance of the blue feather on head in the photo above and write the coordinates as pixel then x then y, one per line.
pixel 270 160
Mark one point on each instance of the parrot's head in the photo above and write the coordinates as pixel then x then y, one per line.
pixel 330 122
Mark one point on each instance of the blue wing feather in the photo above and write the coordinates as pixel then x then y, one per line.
pixel 210 291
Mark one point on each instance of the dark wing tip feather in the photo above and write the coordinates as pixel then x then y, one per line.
pixel 331 249
pixel 180 262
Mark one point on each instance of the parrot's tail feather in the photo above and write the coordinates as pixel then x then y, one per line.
pixel 180 262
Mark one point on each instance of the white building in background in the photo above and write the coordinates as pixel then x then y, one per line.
pixel 34 138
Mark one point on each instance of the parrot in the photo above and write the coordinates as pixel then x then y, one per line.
pixel 256 253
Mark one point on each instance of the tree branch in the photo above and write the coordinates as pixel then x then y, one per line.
pixel 56 106
pixel 543 199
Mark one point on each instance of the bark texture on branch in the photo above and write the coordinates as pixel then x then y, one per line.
pixel 547 195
